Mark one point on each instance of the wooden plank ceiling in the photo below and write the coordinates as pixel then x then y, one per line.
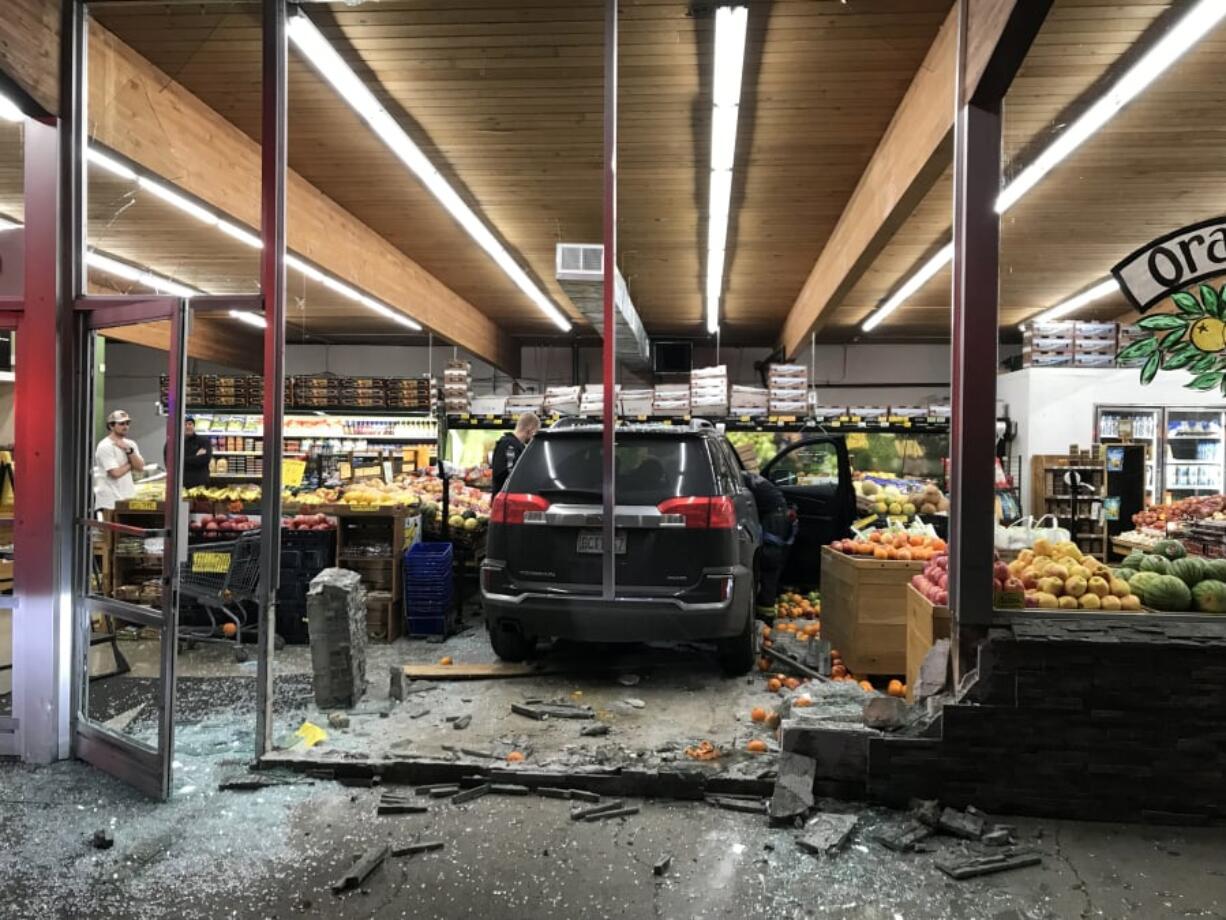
pixel 507 100
pixel 1156 166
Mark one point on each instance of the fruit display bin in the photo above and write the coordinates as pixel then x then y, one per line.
pixel 926 623
pixel 864 610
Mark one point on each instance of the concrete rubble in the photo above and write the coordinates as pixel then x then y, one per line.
pixel 794 786
pixel 826 834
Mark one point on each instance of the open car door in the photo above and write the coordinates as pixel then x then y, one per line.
pixel 815 476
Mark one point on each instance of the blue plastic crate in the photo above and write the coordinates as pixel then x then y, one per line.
pixel 428 626
pixel 428 558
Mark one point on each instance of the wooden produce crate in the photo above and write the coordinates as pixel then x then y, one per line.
pixel 383 620
pixel 864 610
pixel 926 623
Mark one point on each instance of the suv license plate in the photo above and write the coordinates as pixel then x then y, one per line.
pixel 594 543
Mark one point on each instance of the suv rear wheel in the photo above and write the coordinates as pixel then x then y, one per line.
pixel 736 654
pixel 510 643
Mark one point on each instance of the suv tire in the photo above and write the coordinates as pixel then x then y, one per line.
pixel 736 654
pixel 510 643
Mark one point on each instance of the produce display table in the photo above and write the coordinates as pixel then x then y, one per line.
pixel 926 623
pixel 864 610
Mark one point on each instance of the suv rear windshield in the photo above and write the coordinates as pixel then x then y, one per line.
pixel 650 468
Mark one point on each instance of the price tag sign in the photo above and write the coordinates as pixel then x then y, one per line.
pixel 292 472
pixel 344 469
pixel 211 563
pixel 142 506
pixel 367 472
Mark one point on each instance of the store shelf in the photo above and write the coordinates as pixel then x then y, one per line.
pixel 1195 437
pixel 893 424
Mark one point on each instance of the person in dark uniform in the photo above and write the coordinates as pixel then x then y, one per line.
pixel 197 452
pixel 778 531
pixel 511 446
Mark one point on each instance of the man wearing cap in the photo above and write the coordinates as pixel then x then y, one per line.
pixel 197 452
pixel 114 461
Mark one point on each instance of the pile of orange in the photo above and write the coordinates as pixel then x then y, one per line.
pixel 892 545
pixel 797 606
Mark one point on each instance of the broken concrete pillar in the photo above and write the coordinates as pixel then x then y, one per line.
pixel 934 671
pixel 794 787
pixel 885 713
pixel 336 614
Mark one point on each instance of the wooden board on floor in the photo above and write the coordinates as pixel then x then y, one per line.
pixel 475 671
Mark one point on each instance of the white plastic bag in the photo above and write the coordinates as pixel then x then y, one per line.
pixel 1017 535
pixel 1048 528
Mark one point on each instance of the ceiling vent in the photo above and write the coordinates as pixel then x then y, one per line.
pixel 580 268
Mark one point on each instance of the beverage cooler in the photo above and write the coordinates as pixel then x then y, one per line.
pixel 1193 458
pixel 1135 425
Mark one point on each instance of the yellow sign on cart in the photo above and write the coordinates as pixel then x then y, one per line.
pixel 292 472
pixel 211 563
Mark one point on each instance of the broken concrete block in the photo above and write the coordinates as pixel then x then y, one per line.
pixel 794 787
pixel 367 863
pixel 926 811
pixel 661 865
pixel 395 688
pixel 103 840
pixel 934 671
pixel 462 722
pixel 509 789
pixel 336 614
pixel 623 812
pixel 904 839
pixel 732 803
pixel 960 824
pixel 474 793
pixel 826 834
pixel 885 713
pixel 998 838
pixel 424 847
pixel 964 868
pixel 594 731
pixel 841 753
pixel 338 720
pixel 582 814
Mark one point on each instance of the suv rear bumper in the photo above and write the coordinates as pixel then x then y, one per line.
pixel 590 618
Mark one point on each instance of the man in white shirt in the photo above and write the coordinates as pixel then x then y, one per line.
pixel 114 461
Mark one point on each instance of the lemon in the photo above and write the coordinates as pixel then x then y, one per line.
pixel 1209 334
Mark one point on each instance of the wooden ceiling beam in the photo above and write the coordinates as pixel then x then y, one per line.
pixel 912 154
pixel 138 111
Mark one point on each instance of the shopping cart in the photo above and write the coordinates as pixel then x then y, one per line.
pixel 224 579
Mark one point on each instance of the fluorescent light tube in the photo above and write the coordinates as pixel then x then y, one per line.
pixel 251 319
pixel 723 135
pixel 341 288
pixel 715 274
pixel 730 22
pixel 720 201
pixel 9 110
pixel 1186 33
pixel 912 284
pixel 307 269
pixel 332 67
pixel 6 224
pixel 178 201
pixel 139 276
pixel 110 164
pixel 243 236
pixel 388 313
pixel 1098 292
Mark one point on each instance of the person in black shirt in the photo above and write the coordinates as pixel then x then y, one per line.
pixel 197 452
pixel 510 447
pixel 778 531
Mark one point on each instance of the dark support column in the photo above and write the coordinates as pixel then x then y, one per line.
pixel 608 465
pixel 272 284
pixel 975 320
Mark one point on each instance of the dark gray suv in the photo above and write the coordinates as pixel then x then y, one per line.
pixel 687 538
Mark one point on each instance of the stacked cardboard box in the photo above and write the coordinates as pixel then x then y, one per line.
pixel 709 391
pixel 789 389
pixel 456 391
pixel 592 400
pixel 413 394
pixel 525 402
pixel 1094 344
pixel 1048 343
pixel 1125 336
pixel 562 400
pixel 671 399
pixel 749 401
pixel 635 403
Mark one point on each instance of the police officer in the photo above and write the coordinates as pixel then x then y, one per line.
pixel 778 532
pixel 510 446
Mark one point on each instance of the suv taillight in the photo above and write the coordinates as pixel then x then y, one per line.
pixel 701 511
pixel 510 507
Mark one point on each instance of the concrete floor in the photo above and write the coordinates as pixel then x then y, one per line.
pixel 274 853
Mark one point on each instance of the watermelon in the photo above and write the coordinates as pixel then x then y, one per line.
pixel 1168 593
pixel 1141 581
pixel 1158 564
pixel 1215 569
pixel 1189 570
pixel 1123 573
pixel 1133 560
pixel 1171 549
pixel 1210 596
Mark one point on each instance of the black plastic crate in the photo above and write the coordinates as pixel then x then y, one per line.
pixel 292 622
